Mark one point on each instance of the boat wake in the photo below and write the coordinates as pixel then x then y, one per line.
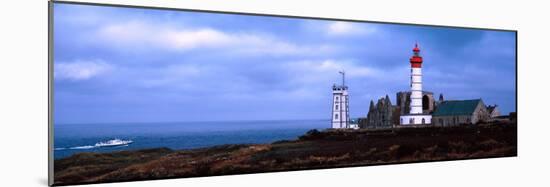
pixel 111 143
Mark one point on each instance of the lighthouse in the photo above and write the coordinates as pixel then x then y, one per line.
pixel 340 104
pixel 416 81
pixel 415 115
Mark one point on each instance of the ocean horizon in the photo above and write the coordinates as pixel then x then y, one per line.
pixel 70 139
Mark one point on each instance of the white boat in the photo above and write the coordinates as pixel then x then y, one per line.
pixel 113 142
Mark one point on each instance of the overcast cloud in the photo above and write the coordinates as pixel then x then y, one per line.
pixel 141 65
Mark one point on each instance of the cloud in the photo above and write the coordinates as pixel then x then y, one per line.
pixel 323 73
pixel 137 33
pixel 185 39
pixel 143 35
pixel 80 70
pixel 230 65
pixel 300 79
pixel 493 44
pixel 340 28
pixel 329 65
pixel 176 76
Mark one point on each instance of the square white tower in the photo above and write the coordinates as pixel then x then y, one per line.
pixel 340 105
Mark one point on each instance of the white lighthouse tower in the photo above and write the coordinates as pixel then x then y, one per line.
pixel 340 104
pixel 415 116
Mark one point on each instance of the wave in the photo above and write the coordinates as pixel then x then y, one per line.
pixel 110 143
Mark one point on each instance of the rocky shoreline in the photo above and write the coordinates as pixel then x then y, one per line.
pixel 314 150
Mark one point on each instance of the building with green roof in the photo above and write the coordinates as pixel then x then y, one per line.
pixel 456 112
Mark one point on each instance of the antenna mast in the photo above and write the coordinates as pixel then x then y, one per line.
pixel 343 77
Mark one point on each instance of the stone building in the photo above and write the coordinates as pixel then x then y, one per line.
pixel 456 112
pixel 381 115
pixel 493 111
pixel 418 107
pixel 403 101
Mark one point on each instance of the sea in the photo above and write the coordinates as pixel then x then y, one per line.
pixel 70 139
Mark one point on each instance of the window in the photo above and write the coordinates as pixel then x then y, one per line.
pixel 425 102
pixel 401 120
pixel 423 121
pixel 440 121
pixel 335 116
pixel 336 107
pixel 411 121
pixel 337 98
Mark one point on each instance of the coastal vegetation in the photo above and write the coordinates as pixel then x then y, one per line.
pixel 313 150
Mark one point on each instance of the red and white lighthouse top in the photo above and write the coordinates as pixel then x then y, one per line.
pixel 416 59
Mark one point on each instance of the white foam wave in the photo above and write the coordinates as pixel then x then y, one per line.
pixel 83 147
pixel 110 143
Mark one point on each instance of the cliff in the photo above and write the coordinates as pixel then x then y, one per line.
pixel 315 149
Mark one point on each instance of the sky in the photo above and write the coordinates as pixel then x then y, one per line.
pixel 114 64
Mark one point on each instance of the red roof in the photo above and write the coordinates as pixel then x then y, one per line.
pixel 416 61
pixel 416 49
